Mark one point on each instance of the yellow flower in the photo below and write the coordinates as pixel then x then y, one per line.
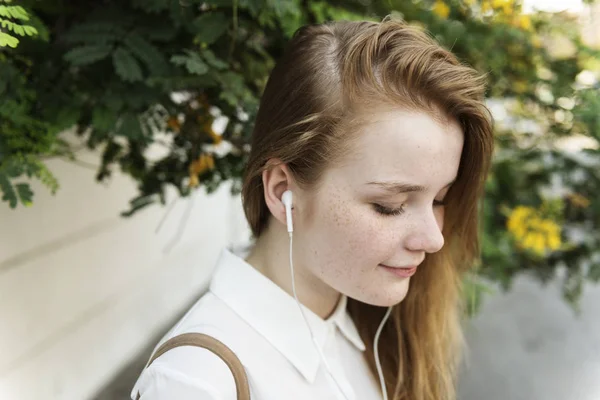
pixel 210 161
pixel 216 138
pixel 532 232
pixel 207 123
pixel 554 242
pixel 173 123
pixel 441 9
pixel 194 181
pixel 197 167
pixel 516 221
pixel 527 241
pixel 500 3
pixel 486 6
pixel 505 5
pixel 524 22
pixel 539 243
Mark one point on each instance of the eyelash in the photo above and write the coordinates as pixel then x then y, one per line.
pixel 398 211
pixel 388 211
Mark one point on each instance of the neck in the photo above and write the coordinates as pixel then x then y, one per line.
pixel 270 256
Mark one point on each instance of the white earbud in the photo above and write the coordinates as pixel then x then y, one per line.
pixel 286 199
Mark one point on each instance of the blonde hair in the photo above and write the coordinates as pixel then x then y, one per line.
pixel 317 94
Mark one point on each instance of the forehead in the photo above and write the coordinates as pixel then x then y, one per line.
pixel 404 145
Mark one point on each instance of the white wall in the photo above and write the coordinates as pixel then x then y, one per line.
pixel 83 291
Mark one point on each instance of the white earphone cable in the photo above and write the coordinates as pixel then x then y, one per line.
pixel 314 340
pixel 287 200
pixel 376 352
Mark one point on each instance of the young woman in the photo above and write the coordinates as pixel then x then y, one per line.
pixel 382 140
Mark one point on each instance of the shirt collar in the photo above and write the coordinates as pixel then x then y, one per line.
pixel 275 315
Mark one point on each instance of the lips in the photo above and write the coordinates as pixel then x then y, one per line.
pixel 402 272
pixel 407 267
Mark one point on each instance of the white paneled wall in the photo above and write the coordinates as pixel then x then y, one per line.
pixel 83 291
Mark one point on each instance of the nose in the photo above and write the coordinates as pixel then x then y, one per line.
pixel 425 233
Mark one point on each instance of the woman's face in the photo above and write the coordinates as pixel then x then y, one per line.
pixel 381 206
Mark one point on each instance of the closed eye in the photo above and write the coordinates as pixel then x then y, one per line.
pixel 388 211
pixel 383 210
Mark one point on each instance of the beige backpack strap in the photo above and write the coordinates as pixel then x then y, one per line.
pixel 217 347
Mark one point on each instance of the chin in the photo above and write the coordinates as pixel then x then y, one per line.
pixel 388 296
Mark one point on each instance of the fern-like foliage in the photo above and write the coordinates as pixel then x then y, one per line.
pixel 13 169
pixel 192 62
pixel 88 54
pixel 146 52
pixel 11 18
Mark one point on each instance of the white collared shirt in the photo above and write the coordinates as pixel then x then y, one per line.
pixel 263 326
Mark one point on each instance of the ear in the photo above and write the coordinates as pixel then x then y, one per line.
pixel 276 179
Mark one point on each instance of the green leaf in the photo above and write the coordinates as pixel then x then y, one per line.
pixel 9 193
pixel 30 30
pixel 192 62
pixel 7 24
pixel 45 176
pixel 8 40
pixel 4 12
pixel 95 33
pixel 16 12
pixel 30 166
pixel 85 55
pixel 130 127
pixel 43 33
pixel 103 119
pixel 21 30
pixel 126 66
pixel 25 193
pixel 213 61
pixel 138 203
pixel 148 53
pixel 12 168
pixel 234 88
pixel 18 29
pixel 209 27
pixel 67 117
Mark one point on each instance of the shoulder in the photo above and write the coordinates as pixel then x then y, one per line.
pixel 186 373
pixel 195 372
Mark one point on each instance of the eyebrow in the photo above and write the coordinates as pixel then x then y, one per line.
pixel 400 187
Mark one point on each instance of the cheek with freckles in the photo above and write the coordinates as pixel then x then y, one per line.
pixel 351 242
pixel 343 243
